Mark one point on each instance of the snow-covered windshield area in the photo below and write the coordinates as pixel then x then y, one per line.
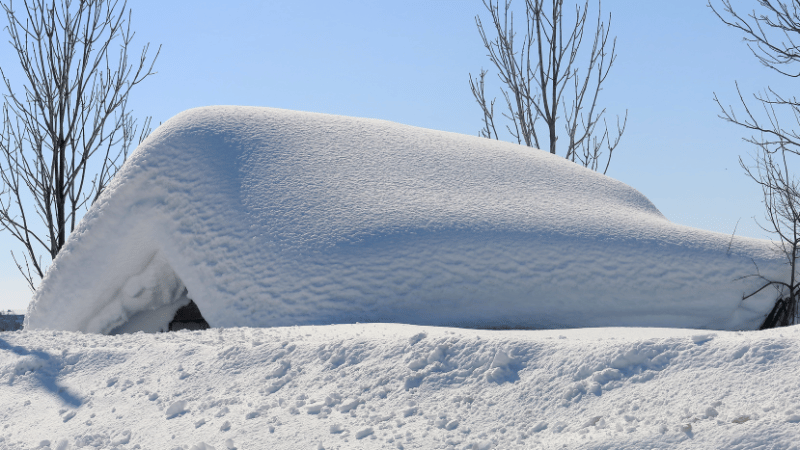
pixel 265 217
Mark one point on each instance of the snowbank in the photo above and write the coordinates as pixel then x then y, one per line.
pixel 400 386
pixel 268 217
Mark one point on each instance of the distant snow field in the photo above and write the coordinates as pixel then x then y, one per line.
pixel 368 386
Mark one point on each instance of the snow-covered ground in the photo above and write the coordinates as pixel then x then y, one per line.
pixel 368 386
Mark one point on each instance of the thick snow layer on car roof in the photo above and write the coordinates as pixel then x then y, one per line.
pixel 268 217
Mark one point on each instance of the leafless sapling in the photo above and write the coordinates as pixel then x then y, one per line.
pixel 71 110
pixel 770 36
pixel 544 75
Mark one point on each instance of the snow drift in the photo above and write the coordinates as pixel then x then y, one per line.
pixel 391 386
pixel 269 217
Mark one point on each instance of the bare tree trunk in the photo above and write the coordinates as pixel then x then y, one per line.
pixel 73 108
pixel 537 90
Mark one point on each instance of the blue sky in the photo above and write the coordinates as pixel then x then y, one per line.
pixel 409 62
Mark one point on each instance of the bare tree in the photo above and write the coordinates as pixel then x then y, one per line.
pixel 770 37
pixel 537 89
pixel 72 110
pixel 782 203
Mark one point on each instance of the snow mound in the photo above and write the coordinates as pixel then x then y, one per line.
pixel 268 217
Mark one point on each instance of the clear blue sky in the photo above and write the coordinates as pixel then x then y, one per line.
pixel 409 62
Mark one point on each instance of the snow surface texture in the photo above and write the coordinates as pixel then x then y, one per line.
pixel 269 217
pixel 382 386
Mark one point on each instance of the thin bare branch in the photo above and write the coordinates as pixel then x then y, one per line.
pixel 540 75
pixel 71 109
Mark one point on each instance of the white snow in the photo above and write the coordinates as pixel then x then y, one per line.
pixel 359 387
pixel 268 217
